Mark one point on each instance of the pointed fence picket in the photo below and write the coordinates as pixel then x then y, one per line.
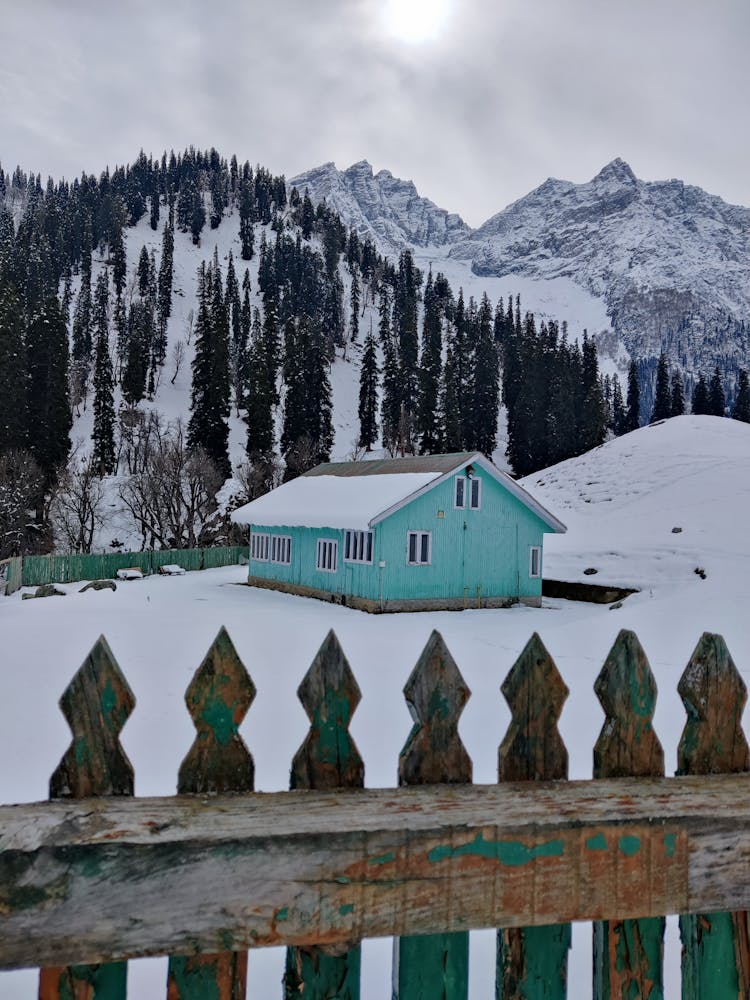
pixel 321 867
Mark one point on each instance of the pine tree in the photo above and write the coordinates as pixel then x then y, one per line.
pixel 354 303
pixel 49 415
pixel 430 370
pixel 259 405
pixel 662 395
pixel 701 405
pixel 716 397
pixel 247 239
pixel 208 427
pixel 13 402
pixel 633 415
pixel 485 389
pixel 295 402
pixel 136 360
pixel 618 408
pixel 741 409
pixel 391 400
pixel 319 405
pixel 368 395
pixel 164 291
pixel 677 396
pixel 103 435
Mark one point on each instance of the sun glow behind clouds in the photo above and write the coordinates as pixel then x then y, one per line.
pixel 416 21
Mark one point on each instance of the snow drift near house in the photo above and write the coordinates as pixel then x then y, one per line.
pixel 622 501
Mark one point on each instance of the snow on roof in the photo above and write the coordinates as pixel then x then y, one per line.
pixel 336 501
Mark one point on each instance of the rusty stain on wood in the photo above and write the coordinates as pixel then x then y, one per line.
pixel 433 966
pixel 328 759
pixel 532 962
pixel 218 698
pixel 96 705
pixel 628 954
pixel 715 946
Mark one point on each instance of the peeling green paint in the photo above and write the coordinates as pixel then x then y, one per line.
pixel 219 717
pixel 545 969
pixel 630 845
pixel 670 843
pixel 194 980
pixel 383 859
pixel 282 914
pixel 597 843
pixel 346 908
pixel 709 967
pixel 511 853
pixel 317 976
pixel 343 879
pixel 638 959
pixel 81 751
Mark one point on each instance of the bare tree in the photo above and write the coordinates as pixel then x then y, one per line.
pixel 256 478
pixel 178 357
pixel 189 321
pixel 172 499
pixel 77 511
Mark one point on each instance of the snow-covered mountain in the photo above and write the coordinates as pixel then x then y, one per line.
pixel 381 206
pixel 669 263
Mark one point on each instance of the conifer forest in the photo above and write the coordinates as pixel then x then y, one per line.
pixel 435 370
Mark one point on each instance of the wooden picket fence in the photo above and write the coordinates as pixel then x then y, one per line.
pixel 95 876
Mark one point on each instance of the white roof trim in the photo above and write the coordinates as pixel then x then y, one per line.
pixel 501 477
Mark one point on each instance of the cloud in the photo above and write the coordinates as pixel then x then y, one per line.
pixel 513 92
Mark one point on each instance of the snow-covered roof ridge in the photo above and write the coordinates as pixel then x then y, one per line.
pixel 359 495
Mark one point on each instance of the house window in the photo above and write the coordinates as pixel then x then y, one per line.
pixel 419 548
pixel 358 546
pixel 328 555
pixel 460 495
pixel 281 549
pixel 535 560
pixel 476 494
pixel 259 547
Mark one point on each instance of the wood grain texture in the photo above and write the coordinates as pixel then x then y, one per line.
pixel 532 963
pixel 106 879
pixel 327 759
pixel 628 954
pixel 96 705
pixel 433 966
pixel 218 698
pixel 716 946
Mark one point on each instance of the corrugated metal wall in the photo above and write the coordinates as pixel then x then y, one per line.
pixel 37 570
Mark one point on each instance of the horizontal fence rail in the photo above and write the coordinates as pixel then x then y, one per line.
pixel 96 876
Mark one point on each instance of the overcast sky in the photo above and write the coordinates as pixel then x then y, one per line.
pixel 504 94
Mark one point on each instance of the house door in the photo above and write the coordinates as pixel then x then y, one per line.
pixel 490 561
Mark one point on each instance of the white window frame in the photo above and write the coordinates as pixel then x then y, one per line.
pixel 259 543
pixel 472 481
pixel 327 552
pixel 281 549
pixel 459 480
pixel 419 535
pixel 535 550
pixel 358 546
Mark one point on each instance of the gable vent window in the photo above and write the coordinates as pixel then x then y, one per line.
pixel 460 498
pixel 535 561
pixel 328 555
pixel 419 548
pixel 259 547
pixel 476 494
pixel 358 546
pixel 281 549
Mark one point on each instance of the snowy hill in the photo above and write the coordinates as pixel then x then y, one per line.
pixel 622 501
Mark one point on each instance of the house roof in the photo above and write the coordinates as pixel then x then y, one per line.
pixel 359 495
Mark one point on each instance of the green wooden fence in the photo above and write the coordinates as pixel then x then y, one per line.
pixel 38 570
pixel 218 869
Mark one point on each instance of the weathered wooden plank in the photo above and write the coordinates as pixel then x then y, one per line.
pixel 327 759
pixel 433 966
pixel 716 946
pixel 628 954
pixel 217 698
pixel 96 705
pixel 533 963
pixel 108 879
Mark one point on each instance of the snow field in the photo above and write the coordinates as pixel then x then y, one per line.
pixel 689 472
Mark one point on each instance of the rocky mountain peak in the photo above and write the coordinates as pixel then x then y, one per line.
pixel 617 171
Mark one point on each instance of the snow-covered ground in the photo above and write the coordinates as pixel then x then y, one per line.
pixel 620 503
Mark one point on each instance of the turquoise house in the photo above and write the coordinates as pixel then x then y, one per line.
pixel 403 534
